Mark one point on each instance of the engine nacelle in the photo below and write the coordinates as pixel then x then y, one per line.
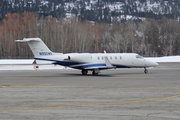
pixel 79 57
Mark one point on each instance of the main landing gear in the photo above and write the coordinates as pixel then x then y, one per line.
pixel 94 72
pixel 84 72
pixel 145 70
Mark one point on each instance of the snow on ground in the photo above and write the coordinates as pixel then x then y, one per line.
pixel 165 59
pixel 31 67
pixel 26 64
pixel 15 61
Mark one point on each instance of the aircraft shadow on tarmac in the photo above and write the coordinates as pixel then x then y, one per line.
pixel 99 75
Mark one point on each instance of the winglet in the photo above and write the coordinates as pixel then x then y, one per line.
pixel 108 64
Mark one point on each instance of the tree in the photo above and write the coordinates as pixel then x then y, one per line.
pixel 151 38
pixel 169 36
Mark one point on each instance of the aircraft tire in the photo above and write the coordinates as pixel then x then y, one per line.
pixel 145 71
pixel 84 72
pixel 94 73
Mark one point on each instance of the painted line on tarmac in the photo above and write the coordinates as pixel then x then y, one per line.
pixel 97 104
pixel 22 85
pixel 85 85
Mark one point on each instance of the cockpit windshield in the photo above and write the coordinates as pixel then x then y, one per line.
pixel 139 57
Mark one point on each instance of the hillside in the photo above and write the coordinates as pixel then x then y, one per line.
pixel 95 10
pixel 47 19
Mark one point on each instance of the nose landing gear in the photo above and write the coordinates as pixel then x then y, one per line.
pixel 145 70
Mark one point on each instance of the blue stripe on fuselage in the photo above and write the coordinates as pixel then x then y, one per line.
pixel 63 63
pixel 90 66
pixel 121 66
pixel 80 65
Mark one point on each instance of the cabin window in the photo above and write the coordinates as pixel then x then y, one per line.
pixel 102 57
pixel 120 57
pixel 98 58
pixel 110 57
pixel 115 57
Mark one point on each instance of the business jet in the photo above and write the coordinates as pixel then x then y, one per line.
pixel 86 62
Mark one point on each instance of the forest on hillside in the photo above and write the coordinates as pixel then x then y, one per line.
pixel 99 11
pixel 148 38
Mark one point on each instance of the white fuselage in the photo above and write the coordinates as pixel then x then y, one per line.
pixel 88 61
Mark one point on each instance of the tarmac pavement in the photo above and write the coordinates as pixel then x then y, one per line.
pixel 122 94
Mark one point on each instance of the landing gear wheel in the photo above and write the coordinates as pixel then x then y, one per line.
pixel 94 73
pixel 84 72
pixel 145 71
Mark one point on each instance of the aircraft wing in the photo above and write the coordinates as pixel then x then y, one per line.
pixel 98 67
pixel 107 65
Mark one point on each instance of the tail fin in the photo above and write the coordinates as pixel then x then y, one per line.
pixel 37 46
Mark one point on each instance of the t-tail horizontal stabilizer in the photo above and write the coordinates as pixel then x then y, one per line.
pixel 37 46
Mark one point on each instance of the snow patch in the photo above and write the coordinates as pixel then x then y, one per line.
pixel 164 59
pixel 26 64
